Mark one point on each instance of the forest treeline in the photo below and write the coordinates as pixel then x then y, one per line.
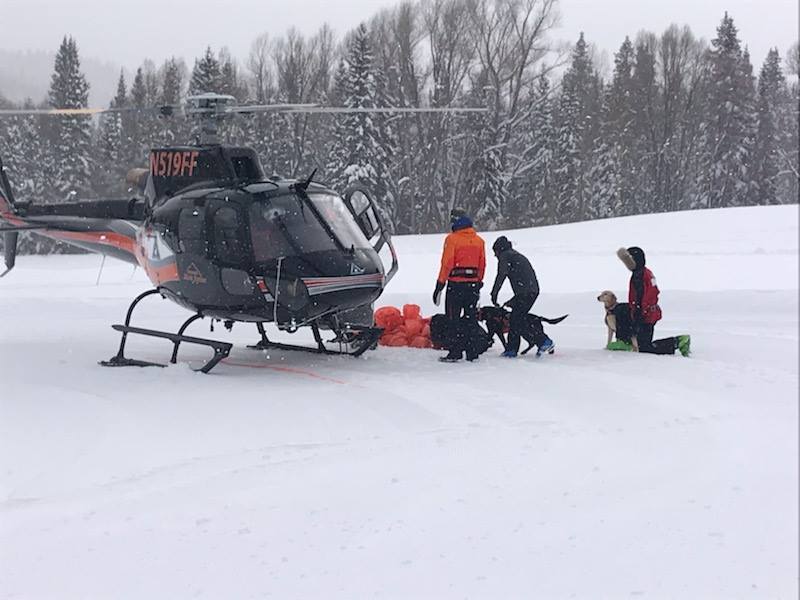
pixel 677 123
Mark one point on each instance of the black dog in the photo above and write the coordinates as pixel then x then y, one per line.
pixel 497 324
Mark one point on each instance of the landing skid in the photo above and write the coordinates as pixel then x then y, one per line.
pixel 221 349
pixel 360 339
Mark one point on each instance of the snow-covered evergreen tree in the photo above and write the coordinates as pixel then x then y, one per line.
pixel 541 177
pixel 172 82
pixel 359 149
pixel 109 166
pixel 773 95
pixel 172 130
pixel 230 81
pixel 730 122
pixel 644 147
pixel 26 159
pixel 71 149
pixel 790 167
pixel 206 74
pixel 577 130
pixel 613 172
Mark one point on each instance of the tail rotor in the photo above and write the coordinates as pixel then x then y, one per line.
pixel 10 234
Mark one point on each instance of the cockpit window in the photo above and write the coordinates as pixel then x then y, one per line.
pixel 288 225
pixel 245 168
pixel 333 210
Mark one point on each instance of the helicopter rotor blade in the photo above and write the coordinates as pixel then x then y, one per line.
pixel 54 111
pixel 268 108
pixel 166 110
pixel 180 109
pixel 383 109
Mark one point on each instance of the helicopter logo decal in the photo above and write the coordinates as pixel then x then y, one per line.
pixel 356 270
pixel 194 275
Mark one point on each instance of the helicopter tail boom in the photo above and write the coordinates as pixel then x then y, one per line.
pixel 10 229
pixel 101 226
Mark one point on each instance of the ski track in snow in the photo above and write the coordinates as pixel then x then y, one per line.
pixel 588 474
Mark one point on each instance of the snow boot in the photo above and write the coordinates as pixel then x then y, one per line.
pixel 684 341
pixel 450 358
pixel 620 345
pixel 509 354
pixel 547 346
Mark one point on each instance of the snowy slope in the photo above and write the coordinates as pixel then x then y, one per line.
pixel 589 474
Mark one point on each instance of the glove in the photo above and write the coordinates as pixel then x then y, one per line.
pixel 437 293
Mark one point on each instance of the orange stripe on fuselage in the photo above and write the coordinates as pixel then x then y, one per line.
pixel 7 215
pixel 161 275
pixel 158 275
pixel 104 238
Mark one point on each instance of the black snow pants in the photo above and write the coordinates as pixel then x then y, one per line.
pixel 649 346
pixel 518 326
pixel 461 307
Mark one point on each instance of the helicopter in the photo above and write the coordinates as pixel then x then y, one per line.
pixel 218 237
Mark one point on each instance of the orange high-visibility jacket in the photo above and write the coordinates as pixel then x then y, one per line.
pixel 463 257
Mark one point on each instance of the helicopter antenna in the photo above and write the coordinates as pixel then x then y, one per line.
pixel 303 185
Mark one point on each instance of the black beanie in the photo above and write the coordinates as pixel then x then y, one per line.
pixel 638 256
pixel 501 244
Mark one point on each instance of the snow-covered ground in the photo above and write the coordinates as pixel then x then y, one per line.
pixel 588 474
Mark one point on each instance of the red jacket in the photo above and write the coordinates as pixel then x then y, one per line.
pixel 643 297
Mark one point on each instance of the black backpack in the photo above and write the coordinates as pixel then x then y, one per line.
pixel 444 333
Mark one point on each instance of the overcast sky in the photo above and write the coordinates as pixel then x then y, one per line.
pixel 126 32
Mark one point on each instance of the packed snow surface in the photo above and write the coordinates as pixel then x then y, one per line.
pixel 588 474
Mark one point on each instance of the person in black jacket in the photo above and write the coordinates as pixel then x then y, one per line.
pixel 517 269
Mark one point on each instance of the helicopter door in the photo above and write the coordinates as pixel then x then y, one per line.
pixel 366 214
pixel 228 247
pixel 228 235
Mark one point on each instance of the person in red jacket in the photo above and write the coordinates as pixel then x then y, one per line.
pixel 462 267
pixel 644 307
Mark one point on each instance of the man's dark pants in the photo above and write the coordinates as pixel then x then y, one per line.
pixel 520 306
pixel 647 345
pixel 461 303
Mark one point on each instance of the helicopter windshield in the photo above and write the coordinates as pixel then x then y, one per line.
pixel 287 226
pixel 340 220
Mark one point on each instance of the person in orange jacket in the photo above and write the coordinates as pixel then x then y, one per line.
pixel 462 269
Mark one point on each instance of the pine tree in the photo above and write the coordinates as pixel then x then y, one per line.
pixel 108 177
pixel 578 128
pixel 791 151
pixel 541 178
pixel 25 157
pixel 338 155
pixel 612 179
pixel 206 75
pixel 172 82
pixel 173 130
pixel 730 121
pixel 72 144
pixel 138 128
pixel 772 97
pixel 360 147
pixel 229 80
pixel 644 146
